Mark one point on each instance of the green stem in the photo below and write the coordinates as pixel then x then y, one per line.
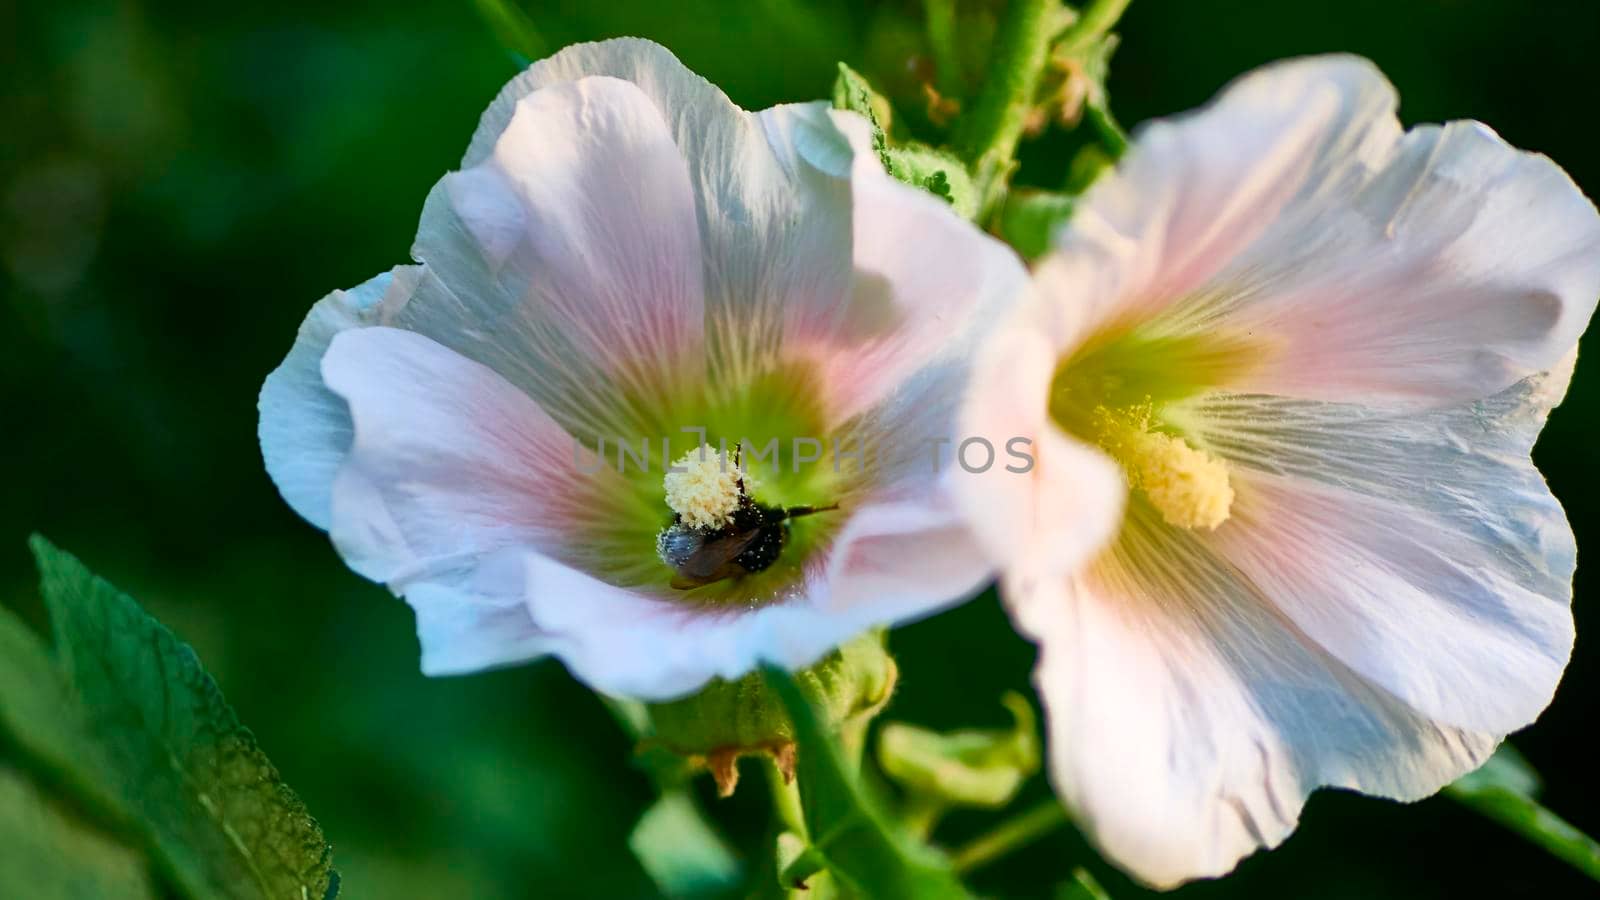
pixel 940 19
pixel 1542 827
pixel 921 815
pixel 987 138
pixel 785 799
pixel 1099 17
pixel 1111 135
pixel 1010 835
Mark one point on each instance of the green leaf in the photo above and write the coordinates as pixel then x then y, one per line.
pixel 218 816
pixel 971 767
pixel 39 716
pixel 797 860
pixel 1503 789
pixel 47 853
pixel 851 91
pixel 865 857
pixel 680 851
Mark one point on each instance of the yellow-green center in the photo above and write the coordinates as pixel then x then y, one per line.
pixel 628 505
pixel 1117 392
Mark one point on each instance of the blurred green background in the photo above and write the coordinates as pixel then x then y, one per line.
pixel 179 181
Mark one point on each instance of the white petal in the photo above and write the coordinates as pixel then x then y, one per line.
pixel 572 257
pixel 477 620
pixel 774 225
pixel 1196 190
pixel 1438 265
pixel 926 283
pixel 1188 721
pixel 449 462
pixel 1422 550
pixel 305 428
pixel 894 561
pixel 1050 503
pixel 810 249
pixel 1460 266
pixel 700 114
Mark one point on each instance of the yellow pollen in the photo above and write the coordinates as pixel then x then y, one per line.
pixel 703 487
pixel 1189 487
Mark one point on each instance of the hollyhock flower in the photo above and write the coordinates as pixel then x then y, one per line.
pixel 1284 369
pixel 624 255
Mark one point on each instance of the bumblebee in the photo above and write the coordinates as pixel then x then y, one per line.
pixel 750 541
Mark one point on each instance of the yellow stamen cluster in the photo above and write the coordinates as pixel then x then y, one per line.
pixel 1188 486
pixel 703 487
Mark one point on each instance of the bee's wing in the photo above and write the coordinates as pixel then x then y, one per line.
pixel 711 561
pixel 678 544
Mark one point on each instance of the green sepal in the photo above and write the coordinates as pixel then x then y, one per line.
pixel 970 767
pixel 919 165
pixel 937 172
pixel 851 91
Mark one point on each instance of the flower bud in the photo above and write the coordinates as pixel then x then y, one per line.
pixel 730 719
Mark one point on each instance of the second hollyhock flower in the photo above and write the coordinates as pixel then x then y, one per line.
pixel 1285 368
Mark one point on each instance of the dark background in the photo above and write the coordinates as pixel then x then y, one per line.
pixel 180 181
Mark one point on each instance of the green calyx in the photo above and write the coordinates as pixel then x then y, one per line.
pixel 936 171
pixel 743 717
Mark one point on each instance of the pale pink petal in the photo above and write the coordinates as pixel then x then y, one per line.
pixel 1196 190
pixel 774 226
pixel 1460 266
pixel 1049 503
pixel 1363 263
pixel 1422 550
pixel 305 428
pixel 810 248
pixel 925 285
pixel 572 258
pixel 477 619
pixel 1188 721
pixel 449 462
pixel 898 560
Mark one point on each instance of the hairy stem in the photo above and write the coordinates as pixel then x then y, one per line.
pixel 987 137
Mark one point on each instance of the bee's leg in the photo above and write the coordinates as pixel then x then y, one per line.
pixel 795 512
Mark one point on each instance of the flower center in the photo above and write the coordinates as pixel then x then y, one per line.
pixel 1189 487
pixel 680 526
pixel 1118 392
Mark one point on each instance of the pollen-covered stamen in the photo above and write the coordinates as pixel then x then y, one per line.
pixel 1188 486
pixel 703 487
